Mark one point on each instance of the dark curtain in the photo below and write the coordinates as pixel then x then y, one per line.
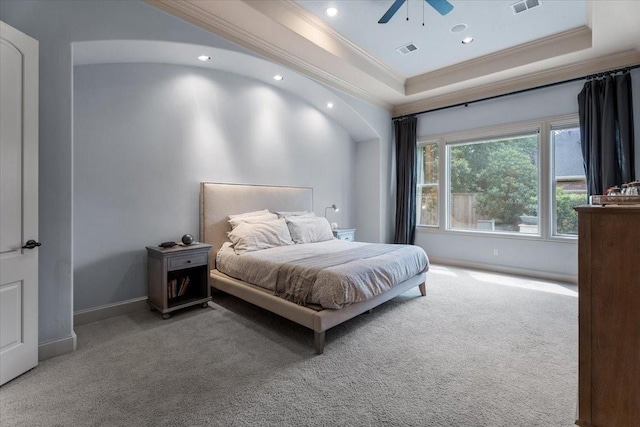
pixel 606 129
pixel 405 133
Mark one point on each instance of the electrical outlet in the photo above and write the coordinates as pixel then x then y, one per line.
pixel 495 252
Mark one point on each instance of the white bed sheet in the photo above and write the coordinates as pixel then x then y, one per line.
pixel 335 286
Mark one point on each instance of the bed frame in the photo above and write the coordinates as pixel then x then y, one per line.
pixel 218 200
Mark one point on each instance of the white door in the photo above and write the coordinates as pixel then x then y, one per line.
pixel 18 203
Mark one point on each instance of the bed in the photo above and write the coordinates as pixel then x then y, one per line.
pixel 219 200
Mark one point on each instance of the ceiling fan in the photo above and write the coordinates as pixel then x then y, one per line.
pixel 441 6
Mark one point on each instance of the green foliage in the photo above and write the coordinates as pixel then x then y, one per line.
pixel 503 172
pixel 462 177
pixel 567 217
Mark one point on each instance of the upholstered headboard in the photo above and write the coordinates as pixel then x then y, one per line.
pixel 218 201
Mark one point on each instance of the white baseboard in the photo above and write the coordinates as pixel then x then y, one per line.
pixel 69 344
pixel 537 274
pixel 82 317
pixel 59 347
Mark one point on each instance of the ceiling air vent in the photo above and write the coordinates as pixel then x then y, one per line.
pixel 523 5
pixel 407 48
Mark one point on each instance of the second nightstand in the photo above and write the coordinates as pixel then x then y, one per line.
pixel 345 234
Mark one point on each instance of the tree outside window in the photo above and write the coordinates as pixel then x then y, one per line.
pixel 494 184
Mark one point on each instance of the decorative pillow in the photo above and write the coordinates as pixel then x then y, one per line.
pixel 295 213
pixel 309 229
pixel 234 222
pixel 248 237
pixel 254 213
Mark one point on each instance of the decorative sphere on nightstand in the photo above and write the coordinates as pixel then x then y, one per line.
pixel 187 239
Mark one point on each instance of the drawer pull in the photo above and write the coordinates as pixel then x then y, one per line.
pixel 187 261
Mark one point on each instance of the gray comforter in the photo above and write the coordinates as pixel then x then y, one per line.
pixel 332 274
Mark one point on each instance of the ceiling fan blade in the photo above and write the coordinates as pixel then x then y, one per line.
pixel 442 6
pixel 392 11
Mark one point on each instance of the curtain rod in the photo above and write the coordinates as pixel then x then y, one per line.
pixel 587 77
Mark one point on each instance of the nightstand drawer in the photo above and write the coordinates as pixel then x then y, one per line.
pixel 178 262
pixel 348 234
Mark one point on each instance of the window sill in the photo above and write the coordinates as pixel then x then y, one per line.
pixel 428 229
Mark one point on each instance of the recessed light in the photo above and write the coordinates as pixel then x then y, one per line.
pixel 331 12
pixel 204 58
pixel 329 104
pixel 467 40
pixel 458 28
pixel 278 77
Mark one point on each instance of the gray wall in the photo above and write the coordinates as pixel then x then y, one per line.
pixel 56 25
pixel 545 258
pixel 375 185
pixel 145 135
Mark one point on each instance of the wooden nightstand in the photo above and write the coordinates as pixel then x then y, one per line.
pixel 178 277
pixel 345 234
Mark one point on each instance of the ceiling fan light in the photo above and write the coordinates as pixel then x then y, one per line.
pixel 331 12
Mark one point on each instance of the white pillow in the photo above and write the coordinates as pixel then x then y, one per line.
pixel 234 222
pixel 309 229
pixel 295 213
pixel 247 236
pixel 254 213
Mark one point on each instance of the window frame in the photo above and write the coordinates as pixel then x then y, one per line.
pixel 526 131
pixel 565 122
pixel 421 144
pixel 546 198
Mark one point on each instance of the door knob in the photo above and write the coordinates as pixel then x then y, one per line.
pixel 31 244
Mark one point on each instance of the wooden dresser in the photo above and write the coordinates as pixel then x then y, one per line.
pixel 609 316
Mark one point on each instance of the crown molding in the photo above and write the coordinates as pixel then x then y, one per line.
pixel 320 36
pixel 366 57
pixel 207 15
pixel 556 75
pixel 286 33
pixel 537 50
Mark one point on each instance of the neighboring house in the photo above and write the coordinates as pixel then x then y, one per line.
pixel 569 166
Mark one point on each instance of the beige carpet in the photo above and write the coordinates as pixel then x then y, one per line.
pixel 479 350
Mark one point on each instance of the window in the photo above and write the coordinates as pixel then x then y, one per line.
pixel 569 179
pixel 493 184
pixel 428 176
pixel 521 179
